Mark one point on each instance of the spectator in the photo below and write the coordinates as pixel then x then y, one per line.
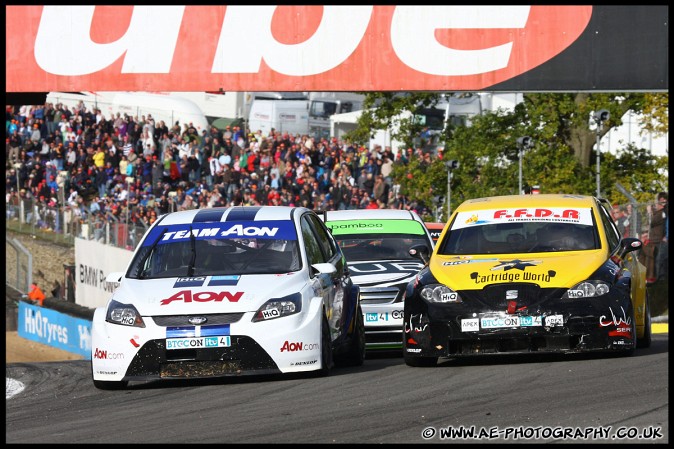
pixel 658 237
pixel 35 294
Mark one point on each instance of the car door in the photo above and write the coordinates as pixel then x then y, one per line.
pixel 337 283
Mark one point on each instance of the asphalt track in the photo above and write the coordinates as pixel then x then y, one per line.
pixel 383 401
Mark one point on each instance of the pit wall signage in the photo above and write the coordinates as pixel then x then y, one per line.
pixel 93 262
pixel 293 48
pixel 56 329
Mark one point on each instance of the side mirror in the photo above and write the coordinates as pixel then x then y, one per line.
pixel 629 244
pixel 115 277
pixel 420 252
pixel 323 268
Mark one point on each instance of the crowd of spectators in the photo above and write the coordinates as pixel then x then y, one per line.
pixel 79 161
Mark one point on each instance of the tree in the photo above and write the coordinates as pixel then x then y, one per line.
pixel 562 159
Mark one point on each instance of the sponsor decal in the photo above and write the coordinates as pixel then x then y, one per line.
pixel 516 264
pixel 304 363
pixel 530 321
pixel 455 262
pixel 189 296
pixel 414 324
pixel 413 349
pixel 511 277
pixel 622 323
pixel 351 227
pixel 271 313
pixel 106 372
pixel 223 341
pixel 282 229
pixel 554 320
pixel 102 354
pixel 553 214
pixel 299 346
pixel 373 317
pixel 384 267
pixel 460 260
pixel 470 325
pixel 474 324
pixel 224 280
pixel 190 282
pixel 214 330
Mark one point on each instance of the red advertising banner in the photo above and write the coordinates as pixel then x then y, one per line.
pixel 282 48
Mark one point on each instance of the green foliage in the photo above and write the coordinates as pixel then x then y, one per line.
pixel 562 159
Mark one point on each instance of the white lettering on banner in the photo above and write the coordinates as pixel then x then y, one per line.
pixel 306 58
pixel 84 56
pixel 437 59
pixel 412 28
pixel 85 337
pixel 36 324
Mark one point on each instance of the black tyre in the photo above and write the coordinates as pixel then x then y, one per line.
pixel 355 355
pixel 326 349
pixel 645 341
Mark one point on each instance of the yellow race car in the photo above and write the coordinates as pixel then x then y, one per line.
pixel 527 273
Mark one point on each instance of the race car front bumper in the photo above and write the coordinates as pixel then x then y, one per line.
pixel 452 330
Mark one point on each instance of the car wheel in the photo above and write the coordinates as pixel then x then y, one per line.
pixel 355 355
pixel 108 384
pixel 645 341
pixel 326 349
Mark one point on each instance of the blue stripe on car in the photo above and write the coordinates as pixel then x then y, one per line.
pixel 197 331
pixel 206 215
pixel 247 213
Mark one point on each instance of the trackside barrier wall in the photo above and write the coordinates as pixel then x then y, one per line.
pixel 93 262
pixel 55 329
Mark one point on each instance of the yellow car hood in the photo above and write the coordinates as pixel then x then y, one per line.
pixel 564 269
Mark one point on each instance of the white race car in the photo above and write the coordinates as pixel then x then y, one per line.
pixel 376 244
pixel 226 292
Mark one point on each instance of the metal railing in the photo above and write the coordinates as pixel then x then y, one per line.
pixel 19 266
pixel 62 225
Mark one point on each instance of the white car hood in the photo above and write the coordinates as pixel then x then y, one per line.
pixel 205 294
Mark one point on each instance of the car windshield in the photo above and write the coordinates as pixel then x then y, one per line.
pixel 362 247
pixel 470 234
pixel 227 248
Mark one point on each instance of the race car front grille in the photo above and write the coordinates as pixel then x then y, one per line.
pixel 183 320
pixel 380 295
pixel 188 369
pixel 525 295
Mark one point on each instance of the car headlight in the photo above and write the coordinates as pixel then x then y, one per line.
pixel 587 289
pixel 439 293
pixel 124 314
pixel 279 307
